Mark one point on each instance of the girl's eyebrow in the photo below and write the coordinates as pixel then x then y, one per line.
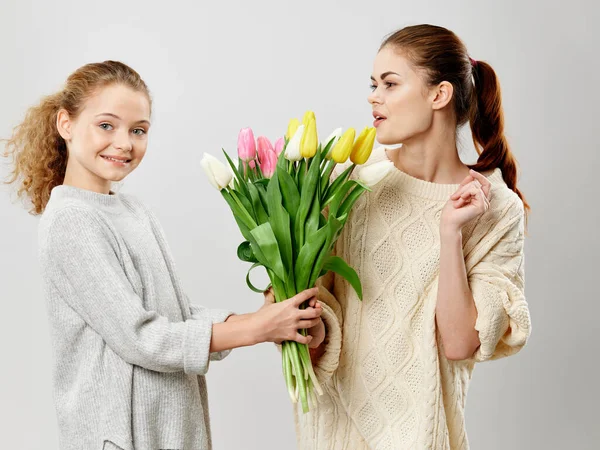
pixel 118 118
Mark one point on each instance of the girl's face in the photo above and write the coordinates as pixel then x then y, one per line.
pixel 402 104
pixel 108 139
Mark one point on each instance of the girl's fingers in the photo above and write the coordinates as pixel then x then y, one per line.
pixel 309 313
pixel 303 339
pixel 300 298
pixel 308 323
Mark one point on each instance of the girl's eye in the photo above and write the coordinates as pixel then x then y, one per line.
pixel 139 131
pixel 389 85
pixel 106 126
pixel 373 87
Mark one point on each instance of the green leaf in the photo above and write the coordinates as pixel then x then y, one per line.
pixel 282 163
pixel 249 283
pixel 333 228
pixel 312 223
pixel 279 287
pixel 337 183
pixel 351 199
pixel 280 223
pixel 327 148
pixel 340 194
pixel 325 176
pixel 244 204
pixel 267 243
pixel 341 267
pixel 306 258
pixel 262 192
pixel 307 193
pixel 237 174
pixel 301 173
pixel 239 212
pixel 289 192
pixel 244 252
pixel 257 206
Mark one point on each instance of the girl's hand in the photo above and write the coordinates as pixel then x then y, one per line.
pixel 278 322
pixel 471 199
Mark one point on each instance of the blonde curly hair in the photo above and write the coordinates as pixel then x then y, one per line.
pixel 38 153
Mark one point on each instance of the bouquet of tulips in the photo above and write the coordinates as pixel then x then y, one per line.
pixel 291 213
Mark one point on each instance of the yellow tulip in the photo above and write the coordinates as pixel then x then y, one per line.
pixel 343 147
pixel 292 127
pixel 308 115
pixel 363 146
pixel 310 141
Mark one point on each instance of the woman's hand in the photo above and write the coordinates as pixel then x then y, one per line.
pixel 471 199
pixel 316 332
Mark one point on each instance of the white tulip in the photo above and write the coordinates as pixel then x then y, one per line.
pixel 335 135
pixel 292 150
pixel 215 170
pixel 373 173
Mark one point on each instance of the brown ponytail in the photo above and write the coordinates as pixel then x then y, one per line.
pixel 443 57
pixel 38 153
pixel 487 127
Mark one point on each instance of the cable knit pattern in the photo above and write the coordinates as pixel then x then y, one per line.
pixel 130 352
pixel 387 383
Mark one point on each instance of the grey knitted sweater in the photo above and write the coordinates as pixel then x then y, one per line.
pixel 130 351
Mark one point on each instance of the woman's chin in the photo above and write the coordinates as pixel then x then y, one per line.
pixel 386 139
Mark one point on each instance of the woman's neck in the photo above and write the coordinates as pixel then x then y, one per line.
pixel 431 157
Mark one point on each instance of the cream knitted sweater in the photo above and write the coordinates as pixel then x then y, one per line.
pixel 387 383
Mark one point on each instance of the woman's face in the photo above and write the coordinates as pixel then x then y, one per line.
pixel 402 103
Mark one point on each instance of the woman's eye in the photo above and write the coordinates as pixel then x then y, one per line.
pixel 373 87
pixel 106 126
pixel 389 85
pixel 139 131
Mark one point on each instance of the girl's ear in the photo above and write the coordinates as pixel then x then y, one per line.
pixel 64 124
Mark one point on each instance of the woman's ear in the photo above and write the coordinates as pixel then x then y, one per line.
pixel 64 124
pixel 442 94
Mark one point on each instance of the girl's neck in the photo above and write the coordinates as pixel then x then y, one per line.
pixel 82 178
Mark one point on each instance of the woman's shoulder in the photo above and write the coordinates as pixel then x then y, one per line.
pixel 503 199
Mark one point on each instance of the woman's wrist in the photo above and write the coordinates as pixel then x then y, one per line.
pixel 450 233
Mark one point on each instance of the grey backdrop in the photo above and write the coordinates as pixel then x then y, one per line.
pixel 214 69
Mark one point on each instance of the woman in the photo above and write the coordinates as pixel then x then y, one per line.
pixel 439 249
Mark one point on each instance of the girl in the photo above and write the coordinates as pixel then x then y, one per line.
pixel 438 246
pixel 130 349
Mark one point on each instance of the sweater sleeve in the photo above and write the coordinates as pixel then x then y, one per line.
pixel 217 316
pixel 80 260
pixel 332 317
pixel 497 284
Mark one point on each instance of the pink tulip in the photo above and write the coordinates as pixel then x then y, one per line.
pixel 264 145
pixel 279 143
pixel 246 145
pixel 268 163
